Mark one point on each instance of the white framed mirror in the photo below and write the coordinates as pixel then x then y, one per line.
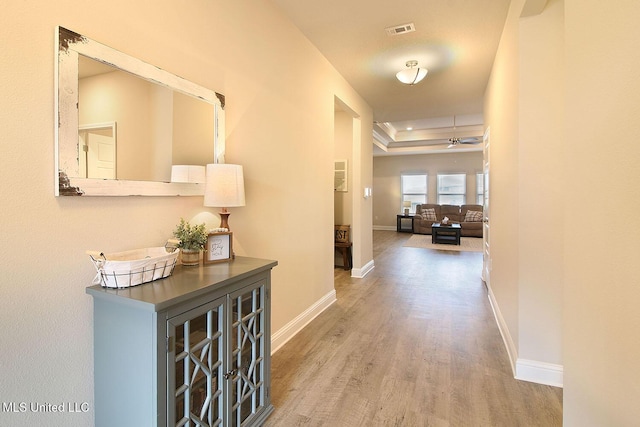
pixel 122 123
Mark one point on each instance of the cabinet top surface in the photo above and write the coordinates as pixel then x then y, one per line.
pixel 184 283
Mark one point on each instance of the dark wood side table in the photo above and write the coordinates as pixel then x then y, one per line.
pixel 345 250
pixel 447 234
pixel 405 223
pixel 342 243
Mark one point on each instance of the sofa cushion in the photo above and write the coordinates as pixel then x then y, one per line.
pixel 450 211
pixel 473 216
pixel 465 208
pixel 425 206
pixel 429 214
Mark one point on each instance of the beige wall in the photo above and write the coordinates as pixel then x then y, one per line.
pixel 563 84
pixel 524 107
pixel 602 290
pixel 343 149
pixel 280 107
pixel 501 117
pixel 362 177
pixel 540 185
pixel 387 193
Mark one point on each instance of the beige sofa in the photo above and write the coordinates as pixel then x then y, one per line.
pixel 468 216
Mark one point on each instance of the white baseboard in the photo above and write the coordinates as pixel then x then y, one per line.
pixel 288 331
pixel 539 372
pixel 385 227
pixel 523 369
pixel 359 273
pixel 512 351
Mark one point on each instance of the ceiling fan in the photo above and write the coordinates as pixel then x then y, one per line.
pixel 455 141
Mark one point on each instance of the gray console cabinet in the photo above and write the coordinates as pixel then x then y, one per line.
pixel 189 350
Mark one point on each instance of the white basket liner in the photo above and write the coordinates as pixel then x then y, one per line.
pixel 135 267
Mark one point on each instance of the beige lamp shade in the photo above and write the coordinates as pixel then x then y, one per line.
pixel 224 187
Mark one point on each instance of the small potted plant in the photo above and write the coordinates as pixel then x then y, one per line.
pixel 192 240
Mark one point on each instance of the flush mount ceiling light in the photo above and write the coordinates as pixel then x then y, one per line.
pixel 412 75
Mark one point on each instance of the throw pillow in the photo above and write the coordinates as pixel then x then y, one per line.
pixel 429 215
pixel 473 216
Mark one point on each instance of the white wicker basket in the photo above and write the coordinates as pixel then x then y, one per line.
pixel 132 268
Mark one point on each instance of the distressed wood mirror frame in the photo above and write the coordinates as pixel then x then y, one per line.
pixel 67 181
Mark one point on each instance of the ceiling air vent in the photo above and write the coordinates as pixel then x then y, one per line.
pixel 400 29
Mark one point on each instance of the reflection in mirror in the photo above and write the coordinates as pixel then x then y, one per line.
pixel 97 151
pixel 123 123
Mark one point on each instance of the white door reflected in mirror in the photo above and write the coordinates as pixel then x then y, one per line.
pixel 97 151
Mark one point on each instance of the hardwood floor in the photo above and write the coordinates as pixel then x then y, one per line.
pixel 414 343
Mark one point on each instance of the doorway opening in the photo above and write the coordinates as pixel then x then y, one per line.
pixel 343 218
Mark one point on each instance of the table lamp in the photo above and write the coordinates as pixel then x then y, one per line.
pixel 224 188
pixel 406 204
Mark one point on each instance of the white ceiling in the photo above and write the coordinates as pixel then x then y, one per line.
pixel 456 40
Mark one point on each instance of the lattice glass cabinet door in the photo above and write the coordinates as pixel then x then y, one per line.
pixel 195 366
pixel 248 341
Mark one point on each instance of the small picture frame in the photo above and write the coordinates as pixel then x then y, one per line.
pixel 219 247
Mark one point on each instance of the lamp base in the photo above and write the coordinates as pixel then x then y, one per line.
pixel 224 219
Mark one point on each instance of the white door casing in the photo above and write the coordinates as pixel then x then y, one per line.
pixel 97 150
pixel 486 226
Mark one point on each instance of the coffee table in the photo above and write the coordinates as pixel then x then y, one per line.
pixel 447 234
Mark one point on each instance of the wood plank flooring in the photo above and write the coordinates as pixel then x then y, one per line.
pixel 414 343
